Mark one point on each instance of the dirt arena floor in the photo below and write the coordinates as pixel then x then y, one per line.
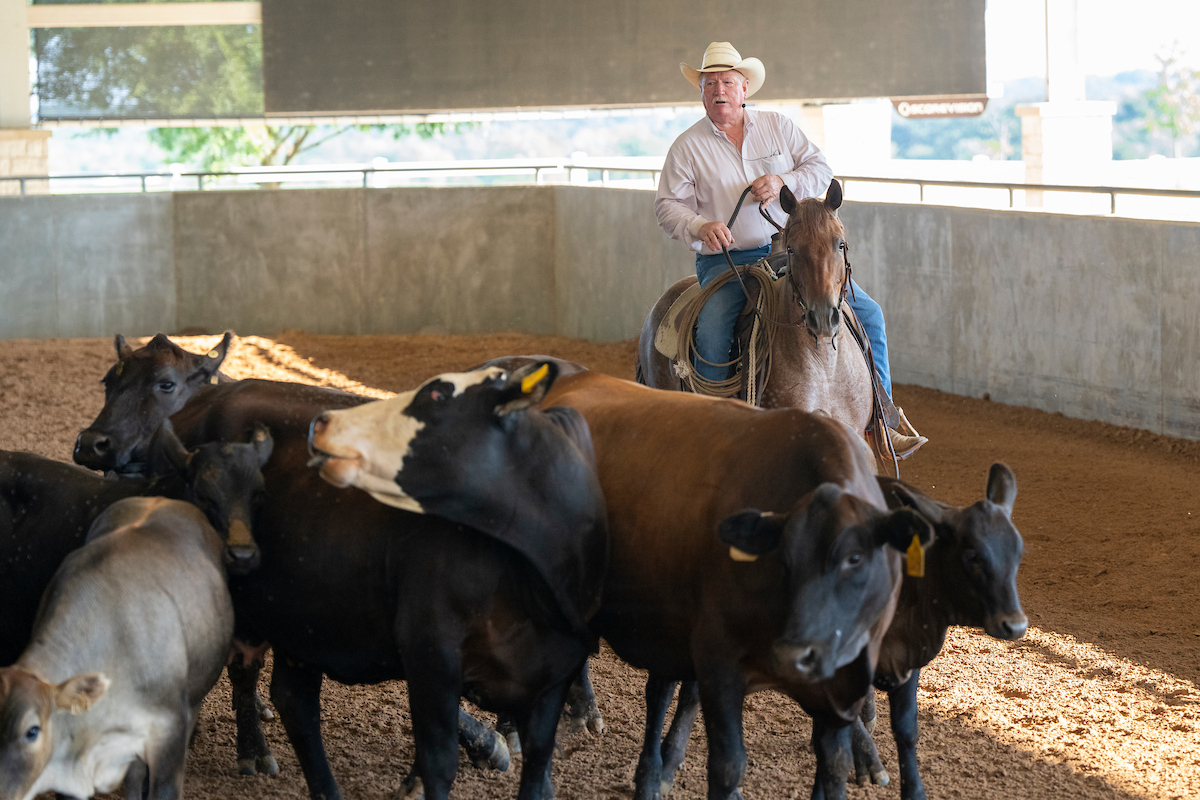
pixel 1098 701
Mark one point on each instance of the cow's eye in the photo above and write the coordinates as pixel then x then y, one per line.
pixel 852 560
pixel 166 387
pixel 971 558
pixel 32 734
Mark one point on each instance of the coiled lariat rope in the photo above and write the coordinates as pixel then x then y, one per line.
pixel 761 338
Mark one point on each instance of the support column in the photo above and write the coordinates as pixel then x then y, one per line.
pixel 23 150
pixel 1063 137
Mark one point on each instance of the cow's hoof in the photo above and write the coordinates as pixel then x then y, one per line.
pixel 595 723
pixel 869 724
pixel 514 743
pixel 665 787
pixel 246 766
pixel 879 777
pixel 499 758
pixel 267 765
pixel 411 789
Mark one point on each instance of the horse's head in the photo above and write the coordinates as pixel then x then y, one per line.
pixel 818 270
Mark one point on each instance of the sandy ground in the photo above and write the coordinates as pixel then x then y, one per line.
pixel 1098 701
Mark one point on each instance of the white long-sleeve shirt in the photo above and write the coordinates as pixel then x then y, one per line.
pixel 704 174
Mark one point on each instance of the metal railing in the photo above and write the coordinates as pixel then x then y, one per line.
pixel 364 175
pixel 532 170
pixel 1012 188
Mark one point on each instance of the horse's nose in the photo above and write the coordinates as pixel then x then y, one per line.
pixel 823 321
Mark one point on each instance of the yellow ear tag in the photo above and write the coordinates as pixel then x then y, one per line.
pixel 532 379
pixel 916 558
pixel 741 555
pixel 213 354
pixel 213 379
pixel 120 367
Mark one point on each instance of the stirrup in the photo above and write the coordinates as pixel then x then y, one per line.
pixel 904 437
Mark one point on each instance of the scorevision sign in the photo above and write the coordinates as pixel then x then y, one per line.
pixel 942 106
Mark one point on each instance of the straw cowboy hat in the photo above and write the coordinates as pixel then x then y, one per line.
pixel 719 57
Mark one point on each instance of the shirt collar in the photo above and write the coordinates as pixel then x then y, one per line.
pixel 747 122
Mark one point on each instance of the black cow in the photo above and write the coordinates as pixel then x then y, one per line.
pixel 327 594
pixel 970 579
pixel 46 508
pixel 470 449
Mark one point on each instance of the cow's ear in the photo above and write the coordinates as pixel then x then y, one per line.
pixel 927 508
pixel 208 364
pixel 526 386
pixel 80 692
pixel 124 351
pixel 787 200
pixel 263 443
pixel 898 528
pixel 833 197
pixel 751 533
pixel 167 453
pixel 1002 487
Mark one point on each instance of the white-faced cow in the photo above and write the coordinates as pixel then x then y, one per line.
pixel 511 634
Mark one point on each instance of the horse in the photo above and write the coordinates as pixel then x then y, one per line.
pixel 815 363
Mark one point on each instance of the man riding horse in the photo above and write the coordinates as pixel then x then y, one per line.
pixel 704 174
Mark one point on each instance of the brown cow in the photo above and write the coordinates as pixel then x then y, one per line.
pixel 750 550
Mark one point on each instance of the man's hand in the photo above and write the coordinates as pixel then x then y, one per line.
pixel 766 189
pixel 715 234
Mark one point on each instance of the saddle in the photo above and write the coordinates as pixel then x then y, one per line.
pixel 685 309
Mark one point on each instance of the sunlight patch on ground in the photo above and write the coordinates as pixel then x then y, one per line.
pixel 259 357
pixel 1071 703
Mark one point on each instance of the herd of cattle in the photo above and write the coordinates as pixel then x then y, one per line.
pixel 476 538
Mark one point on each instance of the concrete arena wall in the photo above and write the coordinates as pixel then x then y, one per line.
pixel 1093 317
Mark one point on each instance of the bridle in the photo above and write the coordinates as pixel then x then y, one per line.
pixel 793 275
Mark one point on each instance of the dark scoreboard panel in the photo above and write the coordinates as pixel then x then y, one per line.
pixel 365 56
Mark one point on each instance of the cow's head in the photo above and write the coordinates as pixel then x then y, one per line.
pixel 223 480
pixel 838 553
pixel 977 554
pixel 28 706
pixel 142 389
pixel 473 448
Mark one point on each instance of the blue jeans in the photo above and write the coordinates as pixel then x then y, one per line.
pixel 714 326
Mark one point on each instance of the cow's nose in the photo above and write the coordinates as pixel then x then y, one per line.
pixel 240 560
pixel 93 450
pixel 802 661
pixel 1014 627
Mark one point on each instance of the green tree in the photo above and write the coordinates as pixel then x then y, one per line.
pixel 1175 102
pixel 223 148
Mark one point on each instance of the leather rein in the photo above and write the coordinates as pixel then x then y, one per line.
pixel 793 275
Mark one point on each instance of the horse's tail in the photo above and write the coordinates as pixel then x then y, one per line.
pixel 639 374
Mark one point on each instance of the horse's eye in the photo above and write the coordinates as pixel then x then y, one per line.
pixel 32 734
pixel 841 245
pixel 166 387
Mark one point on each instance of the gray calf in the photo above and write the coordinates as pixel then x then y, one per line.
pixel 133 629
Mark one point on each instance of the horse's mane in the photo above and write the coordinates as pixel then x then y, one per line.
pixel 815 221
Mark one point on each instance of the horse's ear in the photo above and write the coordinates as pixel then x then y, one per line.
pixel 833 198
pixel 787 200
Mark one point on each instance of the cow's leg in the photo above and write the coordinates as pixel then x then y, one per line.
pixel 506 726
pixel 867 766
pixel 434 689
pixel 253 753
pixel 648 777
pixel 487 748
pixel 868 713
pixel 296 693
pixel 674 747
pixel 902 703
pixel 582 710
pixel 721 697
pixel 832 747
pixel 137 782
pixel 538 729
pixel 166 754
